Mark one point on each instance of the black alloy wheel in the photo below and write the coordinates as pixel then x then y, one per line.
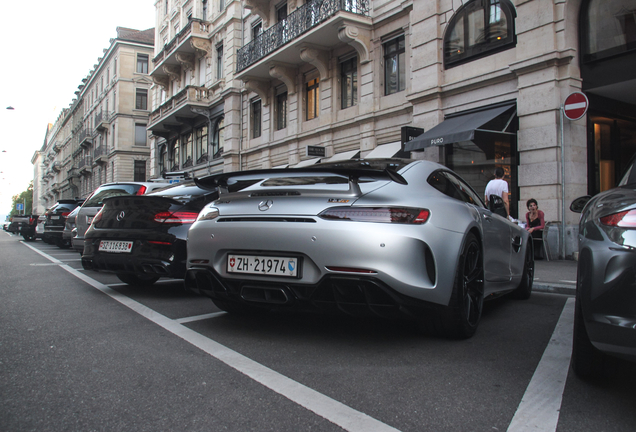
pixel 524 290
pixel 467 300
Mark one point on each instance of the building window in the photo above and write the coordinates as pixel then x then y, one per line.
pixel 140 171
pixel 281 12
pixel 163 159
pixel 141 99
pixel 219 62
pixel 349 82
pixel 175 156
pixel 479 28
pixel 165 8
pixel 204 12
pixel 257 29
pixel 313 96
pixel 201 144
pixel 394 66
pixel 221 5
pixel 142 63
pixel 609 28
pixel 217 142
pixel 140 134
pixel 186 152
pixel 256 118
pixel 281 110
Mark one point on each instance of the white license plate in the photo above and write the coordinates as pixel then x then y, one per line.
pixel 115 246
pixel 54 217
pixel 263 265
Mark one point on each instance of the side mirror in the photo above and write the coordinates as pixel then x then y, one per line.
pixel 579 203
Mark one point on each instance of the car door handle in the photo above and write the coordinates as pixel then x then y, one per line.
pixel 516 241
pixel 488 218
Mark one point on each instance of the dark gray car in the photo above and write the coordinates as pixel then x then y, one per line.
pixel 605 315
pixel 94 203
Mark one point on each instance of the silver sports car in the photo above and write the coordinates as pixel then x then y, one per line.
pixel 391 237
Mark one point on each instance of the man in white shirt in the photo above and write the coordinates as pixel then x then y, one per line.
pixel 498 186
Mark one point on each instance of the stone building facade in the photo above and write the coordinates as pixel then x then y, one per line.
pixel 102 136
pixel 269 82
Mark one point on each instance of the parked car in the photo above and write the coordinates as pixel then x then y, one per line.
pixel 390 237
pixel 605 314
pixel 95 201
pixel 5 226
pixel 56 219
pixel 27 228
pixel 143 238
pixel 69 227
pixel 39 229
pixel 18 222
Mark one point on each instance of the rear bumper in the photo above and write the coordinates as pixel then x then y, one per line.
pixel 143 260
pixel 339 294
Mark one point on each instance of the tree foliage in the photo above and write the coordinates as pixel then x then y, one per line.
pixel 25 198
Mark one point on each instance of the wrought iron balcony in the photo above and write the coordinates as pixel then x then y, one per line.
pixel 85 138
pixel 72 173
pixel 102 120
pixel 84 166
pixel 309 16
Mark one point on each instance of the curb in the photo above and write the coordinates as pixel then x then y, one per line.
pixel 554 288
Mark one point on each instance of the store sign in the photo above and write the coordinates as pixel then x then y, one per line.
pixel 315 151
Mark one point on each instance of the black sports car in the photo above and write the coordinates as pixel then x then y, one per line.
pixel 605 314
pixel 143 238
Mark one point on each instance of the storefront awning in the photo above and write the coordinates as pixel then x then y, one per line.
pixel 343 156
pixel 385 151
pixel 456 129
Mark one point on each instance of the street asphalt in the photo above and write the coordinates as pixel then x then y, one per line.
pixel 556 276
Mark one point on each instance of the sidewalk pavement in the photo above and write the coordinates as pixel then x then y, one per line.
pixel 557 276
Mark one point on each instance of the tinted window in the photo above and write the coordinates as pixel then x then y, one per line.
pixel 97 199
pixel 465 191
pixel 184 192
pixel 440 182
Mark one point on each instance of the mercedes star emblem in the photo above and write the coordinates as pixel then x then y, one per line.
pixel 265 205
pixel 121 215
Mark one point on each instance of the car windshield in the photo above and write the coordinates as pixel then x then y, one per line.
pixel 97 199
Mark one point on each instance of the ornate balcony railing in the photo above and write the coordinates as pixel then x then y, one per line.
pixel 196 27
pixel 308 16
pixel 190 94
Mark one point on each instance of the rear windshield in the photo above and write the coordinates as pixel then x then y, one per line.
pixel 62 208
pixel 183 192
pixel 97 199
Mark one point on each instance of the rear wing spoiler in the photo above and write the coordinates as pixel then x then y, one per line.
pixel 353 175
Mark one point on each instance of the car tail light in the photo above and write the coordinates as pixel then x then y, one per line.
pixel 176 217
pixel 624 219
pixel 159 242
pixel 141 190
pixel 65 214
pixel 377 214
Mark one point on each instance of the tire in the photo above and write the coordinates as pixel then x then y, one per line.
pixel 524 290
pixel 463 313
pixel 587 360
pixel 138 280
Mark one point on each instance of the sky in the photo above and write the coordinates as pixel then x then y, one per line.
pixel 46 51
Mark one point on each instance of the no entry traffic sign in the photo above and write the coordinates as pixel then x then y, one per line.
pixel 575 106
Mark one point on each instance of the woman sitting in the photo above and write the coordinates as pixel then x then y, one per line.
pixel 535 223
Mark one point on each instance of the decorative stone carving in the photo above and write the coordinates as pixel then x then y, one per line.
pixel 186 60
pixel 261 88
pixel 260 8
pixel 359 38
pixel 173 71
pixel 286 74
pixel 317 57
pixel 203 47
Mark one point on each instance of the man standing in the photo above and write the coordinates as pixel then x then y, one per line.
pixel 498 186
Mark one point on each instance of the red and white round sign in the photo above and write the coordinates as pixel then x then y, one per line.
pixel 575 106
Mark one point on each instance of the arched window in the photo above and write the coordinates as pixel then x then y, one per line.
pixel 479 28
pixel 608 28
pixel 217 142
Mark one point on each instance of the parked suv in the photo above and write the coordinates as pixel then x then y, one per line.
pixel 56 220
pixel 94 204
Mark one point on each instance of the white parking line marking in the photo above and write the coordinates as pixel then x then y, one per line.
pixel 541 403
pixel 199 317
pixel 324 406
